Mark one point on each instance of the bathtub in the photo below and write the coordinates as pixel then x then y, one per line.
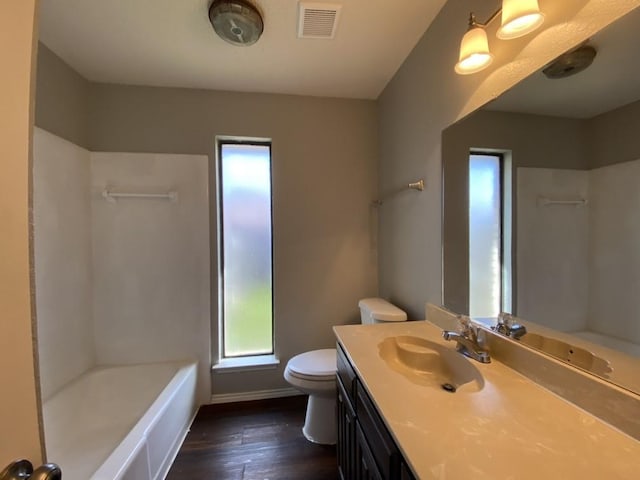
pixel 120 423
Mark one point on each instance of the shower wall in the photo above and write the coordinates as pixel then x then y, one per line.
pixel 62 231
pixel 614 235
pixel 552 248
pixel 151 260
pixel 119 282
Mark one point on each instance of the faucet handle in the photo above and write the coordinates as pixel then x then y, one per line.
pixel 505 318
pixel 466 327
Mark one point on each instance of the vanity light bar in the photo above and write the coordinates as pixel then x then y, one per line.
pixel 519 17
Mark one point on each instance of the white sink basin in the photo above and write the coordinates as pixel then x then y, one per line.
pixel 428 363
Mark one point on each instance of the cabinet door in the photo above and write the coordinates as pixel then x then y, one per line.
pixel 366 469
pixel 346 448
pixel 405 473
pixel 384 449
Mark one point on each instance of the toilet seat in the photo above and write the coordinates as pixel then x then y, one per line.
pixel 314 366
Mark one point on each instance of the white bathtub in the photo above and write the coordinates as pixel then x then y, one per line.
pixel 120 423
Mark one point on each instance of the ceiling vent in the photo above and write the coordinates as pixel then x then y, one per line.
pixel 318 20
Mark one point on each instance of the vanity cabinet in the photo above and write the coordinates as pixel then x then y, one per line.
pixel 365 449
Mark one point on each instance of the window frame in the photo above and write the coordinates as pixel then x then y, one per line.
pixel 247 360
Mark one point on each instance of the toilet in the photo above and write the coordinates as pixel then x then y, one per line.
pixel 314 373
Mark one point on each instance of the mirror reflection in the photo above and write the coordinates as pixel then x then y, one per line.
pixel 540 208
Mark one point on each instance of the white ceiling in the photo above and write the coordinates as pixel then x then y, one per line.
pixel 171 43
pixel 611 81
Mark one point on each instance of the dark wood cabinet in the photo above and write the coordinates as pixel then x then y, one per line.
pixel 366 450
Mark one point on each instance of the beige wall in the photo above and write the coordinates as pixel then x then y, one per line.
pixel 425 97
pixel 19 408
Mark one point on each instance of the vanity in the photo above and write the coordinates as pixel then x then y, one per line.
pixel 398 419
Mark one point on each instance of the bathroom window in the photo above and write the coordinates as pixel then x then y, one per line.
pixel 489 234
pixel 245 248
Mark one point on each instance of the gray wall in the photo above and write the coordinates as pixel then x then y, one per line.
pixel 533 140
pixel 62 99
pixel 325 154
pixel 613 136
pixel 426 96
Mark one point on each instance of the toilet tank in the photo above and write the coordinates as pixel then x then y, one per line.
pixel 378 310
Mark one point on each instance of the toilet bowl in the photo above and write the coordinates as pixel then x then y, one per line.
pixel 314 373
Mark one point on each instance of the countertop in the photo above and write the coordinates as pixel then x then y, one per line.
pixel 511 429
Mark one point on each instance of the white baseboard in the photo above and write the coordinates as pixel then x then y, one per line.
pixel 255 395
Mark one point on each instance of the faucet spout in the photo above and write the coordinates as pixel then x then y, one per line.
pixel 467 346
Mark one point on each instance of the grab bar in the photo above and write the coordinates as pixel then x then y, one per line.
pixel 23 470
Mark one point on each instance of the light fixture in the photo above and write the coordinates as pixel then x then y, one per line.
pixel 474 50
pixel 519 17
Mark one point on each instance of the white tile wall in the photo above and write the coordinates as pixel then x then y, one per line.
pixel 614 268
pixel 151 260
pixel 124 282
pixel 62 231
pixel 552 248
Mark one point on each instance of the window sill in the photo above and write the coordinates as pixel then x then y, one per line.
pixel 243 364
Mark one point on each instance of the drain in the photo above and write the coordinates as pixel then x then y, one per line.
pixel 448 387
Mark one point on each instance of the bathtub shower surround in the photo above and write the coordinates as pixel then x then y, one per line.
pixel 151 260
pixel 595 244
pixel 62 245
pixel 118 283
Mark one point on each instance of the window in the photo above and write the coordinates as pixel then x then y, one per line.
pixel 245 248
pixel 489 235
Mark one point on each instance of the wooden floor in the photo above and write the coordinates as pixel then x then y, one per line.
pixel 257 440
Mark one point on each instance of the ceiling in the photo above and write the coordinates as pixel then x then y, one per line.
pixel 170 43
pixel 612 80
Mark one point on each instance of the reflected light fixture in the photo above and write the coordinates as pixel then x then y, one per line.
pixel 519 17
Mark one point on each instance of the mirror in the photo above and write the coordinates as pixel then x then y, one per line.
pixel 568 155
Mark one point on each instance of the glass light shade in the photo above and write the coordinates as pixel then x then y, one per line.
pixel 519 17
pixel 474 52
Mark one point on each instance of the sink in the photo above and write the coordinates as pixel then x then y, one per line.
pixel 568 353
pixel 428 363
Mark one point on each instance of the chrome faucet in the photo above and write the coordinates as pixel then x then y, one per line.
pixel 508 327
pixel 467 340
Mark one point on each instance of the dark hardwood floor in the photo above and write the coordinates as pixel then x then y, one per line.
pixel 257 440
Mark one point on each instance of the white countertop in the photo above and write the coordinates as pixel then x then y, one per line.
pixel 511 429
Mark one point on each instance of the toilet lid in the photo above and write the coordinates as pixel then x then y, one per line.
pixel 317 363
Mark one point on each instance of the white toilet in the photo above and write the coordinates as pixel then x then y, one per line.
pixel 314 373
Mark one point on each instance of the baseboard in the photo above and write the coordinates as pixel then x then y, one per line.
pixel 255 395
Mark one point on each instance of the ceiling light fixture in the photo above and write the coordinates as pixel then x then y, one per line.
pixel 519 17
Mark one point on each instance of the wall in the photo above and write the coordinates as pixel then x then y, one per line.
pixel 614 236
pixel 62 99
pixel 324 155
pixel 324 179
pixel 553 248
pixel 151 261
pixel 556 143
pixel 19 409
pixel 424 97
pixel 62 253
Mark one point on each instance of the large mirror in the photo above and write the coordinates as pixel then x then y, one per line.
pixel 541 212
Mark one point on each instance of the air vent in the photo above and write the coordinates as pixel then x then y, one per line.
pixel 318 20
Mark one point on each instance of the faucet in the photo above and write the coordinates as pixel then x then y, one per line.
pixel 467 341
pixel 508 327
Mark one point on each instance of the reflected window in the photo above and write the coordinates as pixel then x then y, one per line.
pixel 489 234
pixel 245 248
